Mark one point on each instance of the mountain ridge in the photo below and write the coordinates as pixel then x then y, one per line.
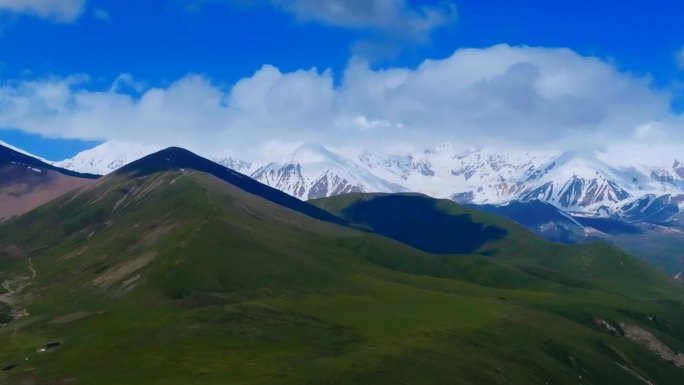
pixel 180 159
pixel 174 270
pixel 27 181
pixel 578 182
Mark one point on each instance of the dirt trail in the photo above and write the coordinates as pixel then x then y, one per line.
pixel 14 287
pixel 33 271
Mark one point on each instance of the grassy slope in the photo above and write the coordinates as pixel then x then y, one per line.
pixel 587 265
pixel 659 246
pixel 234 289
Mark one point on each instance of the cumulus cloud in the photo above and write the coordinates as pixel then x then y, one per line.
pixel 58 10
pixel 513 96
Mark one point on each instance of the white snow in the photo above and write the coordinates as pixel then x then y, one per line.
pixel 112 155
pixel 106 157
pixel 581 182
pixel 314 171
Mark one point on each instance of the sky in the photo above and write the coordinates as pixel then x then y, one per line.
pixel 253 78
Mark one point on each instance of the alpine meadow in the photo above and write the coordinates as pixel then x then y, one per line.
pixel 289 192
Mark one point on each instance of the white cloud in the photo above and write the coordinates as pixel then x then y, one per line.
pixel 58 10
pixel 124 82
pixel 395 16
pixel 513 96
pixel 385 27
pixel 396 20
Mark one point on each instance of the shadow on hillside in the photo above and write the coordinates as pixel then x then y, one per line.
pixel 416 221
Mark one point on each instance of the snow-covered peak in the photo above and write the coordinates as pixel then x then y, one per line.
pixel 585 182
pixel 107 157
pixel 315 171
pixel 312 153
pixel 234 164
pixel 112 155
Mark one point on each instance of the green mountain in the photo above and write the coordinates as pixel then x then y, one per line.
pixel 176 271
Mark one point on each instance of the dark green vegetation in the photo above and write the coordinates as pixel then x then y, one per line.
pixel 661 244
pixel 177 277
pixel 417 221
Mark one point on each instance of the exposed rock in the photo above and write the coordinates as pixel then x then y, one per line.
pixel 652 343
pixel 679 276
pixel 605 325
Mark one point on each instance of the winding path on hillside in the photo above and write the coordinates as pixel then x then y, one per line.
pixel 33 271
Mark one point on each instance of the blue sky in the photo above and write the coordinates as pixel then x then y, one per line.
pixel 156 44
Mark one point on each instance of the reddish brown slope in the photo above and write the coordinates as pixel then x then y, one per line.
pixel 27 182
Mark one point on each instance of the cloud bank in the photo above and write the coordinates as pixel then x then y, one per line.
pixel 521 97
pixel 57 10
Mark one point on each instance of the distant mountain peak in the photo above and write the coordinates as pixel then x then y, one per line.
pixel 170 158
pixel 315 171
pixel 579 181
pixel 112 155
pixel 12 155
pixel 180 159
pixel 107 157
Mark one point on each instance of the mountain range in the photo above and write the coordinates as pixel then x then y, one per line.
pixel 570 197
pixel 174 269
pixel 577 182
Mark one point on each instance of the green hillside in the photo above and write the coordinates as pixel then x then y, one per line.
pixel 405 217
pixel 177 277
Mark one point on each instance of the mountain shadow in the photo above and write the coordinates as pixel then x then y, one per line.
pixel 417 221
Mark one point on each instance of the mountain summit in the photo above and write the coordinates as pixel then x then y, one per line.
pixel 579 182
pixel 176 270
pixel 314 171
pixel 179 159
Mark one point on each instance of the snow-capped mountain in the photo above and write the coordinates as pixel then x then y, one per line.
pixel 234 164
pixel 474 176
pixel 112 155
pixel 107 157
pixel 314 171
pixel 578 182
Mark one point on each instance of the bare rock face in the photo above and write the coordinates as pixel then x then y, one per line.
pixel 603 324
pixel 652 343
